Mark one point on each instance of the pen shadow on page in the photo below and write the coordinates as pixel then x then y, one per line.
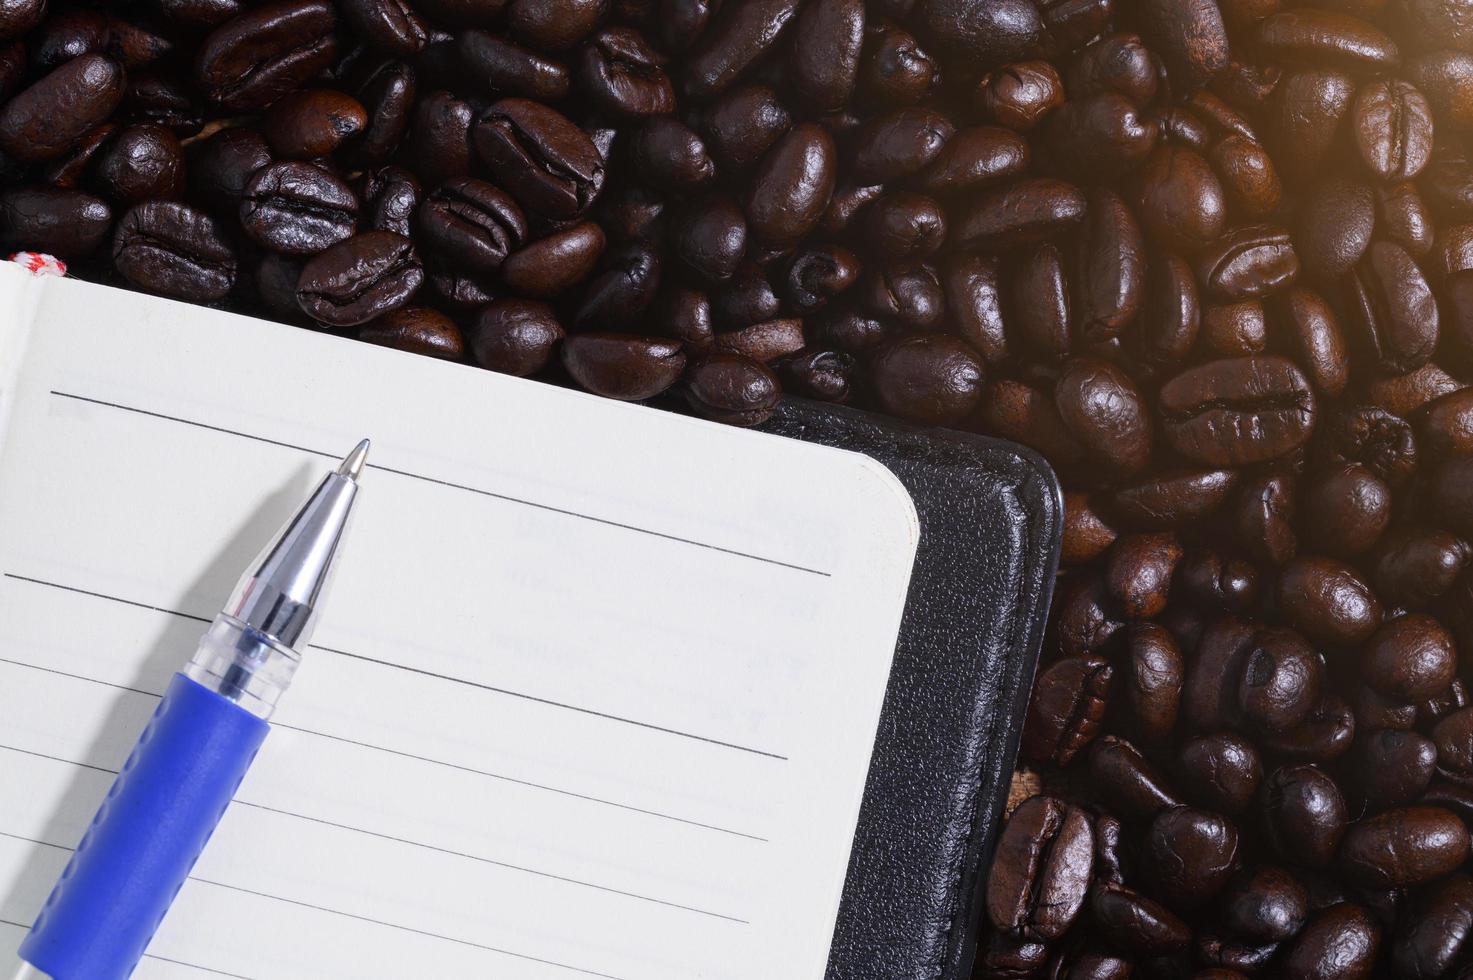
pixel 129 710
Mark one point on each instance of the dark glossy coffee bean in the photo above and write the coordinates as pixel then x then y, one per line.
pixel 1391 310
pixel 220 166
pixel 974 158
pixel 729 387
pixel 816 275
pixel 297 208
pixel 1190 36
pixel 1125 781
pixel 1084 625
pixel 1268 906
pixel 740 34
pixel 419 330
pixel 1040 872
pixel 1221 772
pixel 623 366
pixel 1039 308
pixel 470 225
pixel 1312 335
pixel 313 123
pixel 1021 213
pixel 932 379
pixel 1392 124
pixel 514 336
pixel 1392 768
pixel 1303 117
pixel 710 237
pixel 791 186
pixel 1117 63
pixel 1249 262
pixel 742 125
pixel 1100 135
pixel 624 76
pixel 1011 958
pixel 894 68
pixel 390 26
pixel 1021 95
pixel 553 25
pixel 1324 736
pixel 1101 407
pixel 1244 410
pixel 1234 329
pixel 1340 943
pixel 387 96
pixel 1171 499
pixel 1067 708
pixel 1110 268
pixel 1369 435
pixel 1304 815
pixel 1086 536
pixel 903 225
pixel 1412 567
pixel 18 17
pixel 1447 491
pixel 1170 314
pixel 142 161
pixel 1431 941
pixel 978 37
pixel 824 375
pixel 1454 738
pixel 1403 847
pixel 68 170
pixel 438 146
pixel 1403 218
pixel 1346 509
pixel 1281 680
pixel 167 248
pixel 46 119
pixel 390 196
pixel 669 154
pixel 1180 200
pixel 1334 228
pixel 258 56
pixel 1188 855
pixel 1212 581
pixel 620 295
pixel 898 144
pixel 1410 658
pixel 548 164
pixel 1445 426
pixel 1153 676
pixel 504 67
pixel 746 298
pixel 1263 517
pixel 1209 698
pixel 1138 573
pixel 1136 923
pixel 1248 175
pixel 363 277
pixel 69 224
pixel 1328 38
pixel 828 36
pixel 1328 601
pixel 1445 77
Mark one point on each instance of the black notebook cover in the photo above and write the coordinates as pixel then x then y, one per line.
pixel 990 515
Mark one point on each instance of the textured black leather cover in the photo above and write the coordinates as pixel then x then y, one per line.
pixel 990 515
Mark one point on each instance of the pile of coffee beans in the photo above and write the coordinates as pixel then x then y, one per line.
pixel 1212 258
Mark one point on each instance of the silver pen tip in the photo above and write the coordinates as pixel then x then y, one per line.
pixel 353 465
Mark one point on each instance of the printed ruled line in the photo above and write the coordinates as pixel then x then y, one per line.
pixel 154 956
pixel 411 843
pixel 452 485
pixel 359 918
pixel 410 755
pixel 520 695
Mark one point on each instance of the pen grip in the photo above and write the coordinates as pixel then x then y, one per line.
pixel 146 836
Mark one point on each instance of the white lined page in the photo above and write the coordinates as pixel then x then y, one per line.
pixel 595 694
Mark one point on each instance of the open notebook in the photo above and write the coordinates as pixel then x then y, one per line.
pixel 595 693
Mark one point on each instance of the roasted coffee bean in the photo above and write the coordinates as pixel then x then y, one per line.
pixel 1303 117
pixel 1067 708
pixel 1403 218
pixel 743 125
pixel 1340 943
pixel 552 25
pixel 46 119
pixel 978 37
pixel 764 342
pixel 1410 658
pixel 1280 681
pixel 298 208
pixel 1209 698
pixel 1268 905
pixel 1392 768
pixel 791 186
pixel 1100 135
pixel 932 379
pixel 1415 566
pixel 223 164
pixel 1126 782
pixel 1403 847
pixel 66 223
pixel 419 330
pixel 313 123
pixel 1086 536
pixel 1328 601
pixel 1244 410
pixel 141 162
pixel 167 248
pixel 1101 407
pixel 1110 268
pixel 1346 509
pixel 1431 941
pixel 1008 957
pixel 1392 123
pixel 1084 625
pixel 1118 63
pixel 504 67
pixel 739 36
pixel 17 17
pixel 470 225
pixel 438 146
pixel 1021 213
pixel 746 298
pixel 1329 38
pixel 1020 96
pixel 515 336
pixel 1171 499
pixel 1312 334
pixel 1304 815
pixel 623 366
pixel 670 154
pixel 390 26
pixel 903 225
pixel 360 278
pixel 1213 581
pixel 817 275
pixel 895 70
pixel 1248 175
pixel 1135 923
pixel 974 158
pixel 624 76
pixel 1138 573
pixel 1189 854
pixel 899 144
pixel 1392 312
pixel 1334 228
pixel 1250 262
pixel 390 196
pixel 1039 310
pixel 1383 442
pixel 1180 200
pixel 1234 329
pixel 548 164
pixel 821 374
pixel 263 53
pixel 1040 874
pixel 729 387
pixel 1321 738
pixel 620 295
pixel 828 36
pixel 1154 674
pixel 1220 772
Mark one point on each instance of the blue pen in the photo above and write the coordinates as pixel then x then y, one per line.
pixel 187 764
